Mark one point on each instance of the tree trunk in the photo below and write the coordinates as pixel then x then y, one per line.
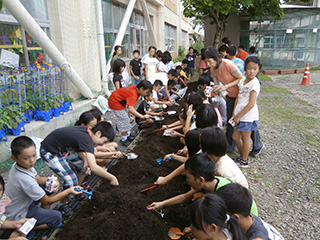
pixel 221 26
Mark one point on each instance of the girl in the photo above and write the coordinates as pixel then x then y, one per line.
pixel 116 54
pixel 118 69
pixel 86 119
pixel 209 220
pixel 160 65
pixel 246 113
pixel 150 63
pixel 203 65
pixel 213 141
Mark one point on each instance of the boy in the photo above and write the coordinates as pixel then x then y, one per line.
pixel 184 63
pixel 157 86
pixel 192 59
pixel 252 52
pixel 200 176
pixel 24 189
pixel 122 102
pixel 171 90
pixel 182 77
pixel 222 50
pixel 135 68
pixel 77 142
pixel 242 53
pixel 231 54
pixel 144 109
pixel 238 200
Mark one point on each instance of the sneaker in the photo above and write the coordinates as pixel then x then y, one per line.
pixel 255 153
pixel 243 164
pixel 65 210
pixel 73 198
pixel 130 138
pixel 237 159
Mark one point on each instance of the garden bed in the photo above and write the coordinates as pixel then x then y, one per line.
pixel 120 212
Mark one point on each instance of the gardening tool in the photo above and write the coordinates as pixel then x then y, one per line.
pixel 85 192
pixel 155 131
pixel 159 160
pixel 174 233
pixel 170 112
pixel 147 190
pixel 158 119
pixel 130 156
pixel 159 212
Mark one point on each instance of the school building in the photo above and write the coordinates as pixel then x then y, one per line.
pixel 281 44
pixel 85 31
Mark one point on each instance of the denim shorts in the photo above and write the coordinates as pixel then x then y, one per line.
pixel 248 126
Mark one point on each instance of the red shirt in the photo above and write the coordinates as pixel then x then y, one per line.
pixel 129 96
pixel 242 55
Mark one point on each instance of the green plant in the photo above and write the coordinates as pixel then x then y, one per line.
pixel 67 98
pixel 26 106
pixel 181 51
pixel 41 104
pixel 10 117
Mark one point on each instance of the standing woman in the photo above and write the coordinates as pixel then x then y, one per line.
pixel 229 75
pixel 150 63
pixel 116 54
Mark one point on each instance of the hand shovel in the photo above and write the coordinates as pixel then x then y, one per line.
pixel 147 190
pixel 174 233
pixel 155 131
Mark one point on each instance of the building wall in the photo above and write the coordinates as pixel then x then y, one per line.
pixel 232 31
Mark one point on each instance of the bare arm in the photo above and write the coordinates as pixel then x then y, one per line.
pixel 117 84
pixel 237 74
pixel 41 180
pixel 167 92
pixel 247 108
pixel 48 200
pixel 175 173
pixel 135 113
pixel 190 113
pixel 146 70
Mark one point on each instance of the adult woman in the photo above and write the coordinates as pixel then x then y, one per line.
pixel 229 75
pixel 116 55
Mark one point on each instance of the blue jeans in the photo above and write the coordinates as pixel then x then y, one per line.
pixel 256 140
pixel 51 218
pixel 230 106
pixel 134 81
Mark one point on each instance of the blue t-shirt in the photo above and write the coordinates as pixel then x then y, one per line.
pixel 251 55
pixel 240 64
pixel 191 60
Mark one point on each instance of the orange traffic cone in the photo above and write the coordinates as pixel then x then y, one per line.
pixel 306 77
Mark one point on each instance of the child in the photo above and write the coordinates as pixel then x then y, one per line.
pixel 135 68
pixel 79 142
pixel 87 119
pixel 200 177
pixel 182 77
pixel 157 86
pixel 118 68
pixel 210 221
pixel 242 53
pixel 246 113
pixel 213 141
pixel 122 102
pixel 171 90
pixel 222 50
pixel 150 63
pixel 252 52
pixel 160 65
pixel 203 65
pixel 145 109
pixel 238 200
pixel 192 58
pixel 167 59
pixel 8 229
pixel 24 189
pixel 184 63
pixel 231 54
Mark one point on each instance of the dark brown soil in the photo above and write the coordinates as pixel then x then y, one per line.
pixel 120 212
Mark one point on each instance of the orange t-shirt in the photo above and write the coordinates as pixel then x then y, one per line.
pixel 224 75
pixel 242 55
pixel 127 95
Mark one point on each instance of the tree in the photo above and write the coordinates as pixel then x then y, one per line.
pixel 218 11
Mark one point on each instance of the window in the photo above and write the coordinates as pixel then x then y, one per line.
pixel 169 37
pixel 184 38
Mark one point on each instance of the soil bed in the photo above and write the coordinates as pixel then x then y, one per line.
pixel 120 212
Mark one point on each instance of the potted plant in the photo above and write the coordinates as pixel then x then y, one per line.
pixel 2 128
pixel 67 104
pixel 13 120
pixel 55 104
pixel 28 109
pixel 43 111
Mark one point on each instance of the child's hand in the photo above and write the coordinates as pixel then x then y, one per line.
pixel 165 126
pixel 114 181
pixel 186 231
pixel 183 151
pixel 18 224
pixel 167 156
pixel 117 154
pixel 161 181
pixel 19 238
pixel 73 191
pixel 155 206
pixel 146 116
pixel 169 103
pixel 219 88
pixel 174 134
pixel 56 188
pixel 160 113
pixel 190 112
pixel 236 119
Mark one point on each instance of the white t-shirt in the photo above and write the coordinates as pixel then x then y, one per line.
pixel 151 66
pixel 22 188
pixel 162 67
pixel 226 167
pixel 154 94
pixel 244 97
pixel 162 76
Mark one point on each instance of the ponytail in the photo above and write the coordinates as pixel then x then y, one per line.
pixel 115 50
pixel 235 228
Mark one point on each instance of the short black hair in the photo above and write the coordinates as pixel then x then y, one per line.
pixel 186 70
pixel 254 59
pixel 237 198
pixel 96 113
pixel 185 61
pixel 158 83
pixel 152 47
pixel 106 130
pixel 20 143
pixel 85 118
pixel 166 57
pixel 172 82
pixel 225 40
pixel 195 99
pixel 191 48
pixel 147 95
pixel 213 140
pixel 178 67
pixel 201 165
pixel 136 51
pixel 204 80
pixel 145 84
pixel 173 72
pixel 222 48
pixel 210 52
pixel 117 65
pixel 241 46
pixel 252 49
pixel 232 50
pixel 192 141
pixel 159 54
pixel 206 116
